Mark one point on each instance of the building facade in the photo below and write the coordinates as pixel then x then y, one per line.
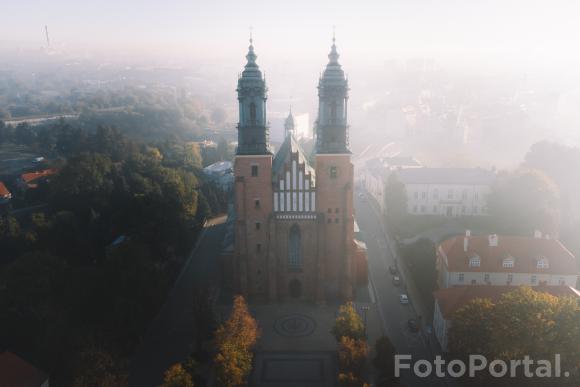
pixel 294 223
pixel 447 191
pixel 505 260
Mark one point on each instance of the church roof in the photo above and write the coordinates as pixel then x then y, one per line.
pixel 283 156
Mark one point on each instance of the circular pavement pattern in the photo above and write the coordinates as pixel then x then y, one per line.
pixel 295 325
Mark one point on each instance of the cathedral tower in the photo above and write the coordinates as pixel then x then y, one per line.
pixel 253 182
pixel 335 175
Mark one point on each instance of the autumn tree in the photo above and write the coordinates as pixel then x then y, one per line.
pixel 99 368
pixel 235 340
pixel 352 355
pixel 177 376
pixel 351 380
pixel 476 316
pixel 348 323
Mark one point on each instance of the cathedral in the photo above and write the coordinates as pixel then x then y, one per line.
pixel 293 227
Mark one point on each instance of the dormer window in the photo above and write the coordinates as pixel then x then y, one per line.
pixel 474 261
pixel 543 263
pixel 508 263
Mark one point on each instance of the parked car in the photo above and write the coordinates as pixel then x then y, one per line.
pixel 403 299
pixel 413 325
pixel 392 270
pixel 396 280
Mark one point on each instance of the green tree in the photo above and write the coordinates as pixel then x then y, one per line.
pixel 384 360
pixel 177 376
pixel 472 329
pixel 420 257
pixel 348 323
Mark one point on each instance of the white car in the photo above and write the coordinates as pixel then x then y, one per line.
pixel 403 299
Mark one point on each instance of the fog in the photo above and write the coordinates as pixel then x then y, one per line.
pixel 490 77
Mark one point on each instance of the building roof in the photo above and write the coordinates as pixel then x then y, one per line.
pixel 219 167
pixel 525 251
pixel 284 154
pixel 452 299
pixel 3 190
pixel 401 161
pixel 31 176
pixel 469 176
pixel 15 372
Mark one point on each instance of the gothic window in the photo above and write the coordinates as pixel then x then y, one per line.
pixel 294 251
pixel 254 170
pixel 333 172
pixel 253 113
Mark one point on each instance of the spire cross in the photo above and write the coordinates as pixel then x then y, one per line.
pixel 251 35
pixel 333 34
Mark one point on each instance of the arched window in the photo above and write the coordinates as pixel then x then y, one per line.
pixel 294 250
pixel 253 113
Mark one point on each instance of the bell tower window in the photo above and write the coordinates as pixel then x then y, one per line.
pixel 253 113
pixel 333 112
pixel 294 251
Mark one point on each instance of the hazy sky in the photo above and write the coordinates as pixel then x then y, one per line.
pixel 544 33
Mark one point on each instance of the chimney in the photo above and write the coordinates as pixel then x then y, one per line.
pixel 537 234
pixel 493 240
pixel 465 244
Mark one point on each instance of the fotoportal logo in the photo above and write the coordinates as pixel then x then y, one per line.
pixel 478 364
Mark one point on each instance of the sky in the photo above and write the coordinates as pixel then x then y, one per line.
pixel 542 34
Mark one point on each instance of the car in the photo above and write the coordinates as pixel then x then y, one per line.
pixel 403 299
pixel 396 280
pixel 361 195
pixel 413 325
pixel 392 270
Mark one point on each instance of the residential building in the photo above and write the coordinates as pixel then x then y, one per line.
pixel 447 191
pixel 505 260
pixel 5 194
pixel 294 225
pixel 15 372
pixel 32 179
pixel 448 301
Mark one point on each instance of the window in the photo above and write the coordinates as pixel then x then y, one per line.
pixel 257 203
pixel 434 209
pixel 534 280
pixel 486 277
pixel 422 209
pixel 475 209
pixel 510 278
pixel 424 195
pixel 258 248
pixel 461 277
pixel 561 281
pixel 336 220
pixel 474 261
pixel 333 112
pixel 330 210
pixel 474 282
pixel 415 209
pixel 436 194
pixel 463 209
pixel 450 194
pixel 464 195
pixel 416 195
pixel 333 172
pixel 336 210
pixel 328 220
pixel 543 263
pixel 254 170
pixel 253 113
pixel 476 195
pixel 258 225
pixel 294 250
pixel 508 263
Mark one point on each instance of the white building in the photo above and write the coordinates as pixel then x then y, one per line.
pixel 505 260
pixel 448 301
pixel 221 173
pixel 447 191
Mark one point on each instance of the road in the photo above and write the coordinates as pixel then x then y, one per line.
pixel 393 314
pixel 171 335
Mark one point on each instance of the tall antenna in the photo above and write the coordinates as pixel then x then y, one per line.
pixel 46 34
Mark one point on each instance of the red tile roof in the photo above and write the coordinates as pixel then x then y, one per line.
pixel 29 177
pixel 452 299
pixel 15 372
pixel 526 252
pixel 4 191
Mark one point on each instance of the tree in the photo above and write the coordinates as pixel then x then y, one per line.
pixel 352 355
pixel 177 376
pixel 235 340
pixel 420 257
pixel 351 380
pixel 98 368
pixel 384 360
pixel 348 323
pixel 476 316
pixel 524 201
pixel 395 200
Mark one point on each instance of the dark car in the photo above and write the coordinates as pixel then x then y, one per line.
pixel 392 270
pixel 413 325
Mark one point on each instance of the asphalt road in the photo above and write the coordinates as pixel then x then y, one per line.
pixel 171 335
pixel 394 315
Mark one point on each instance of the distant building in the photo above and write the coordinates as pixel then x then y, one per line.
pixel 32 179
pixel 221 173
pixel 447 191
pixel 5 195
pixel 505 260
pixel 377 172
pixel 15 372
pixel 448 301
